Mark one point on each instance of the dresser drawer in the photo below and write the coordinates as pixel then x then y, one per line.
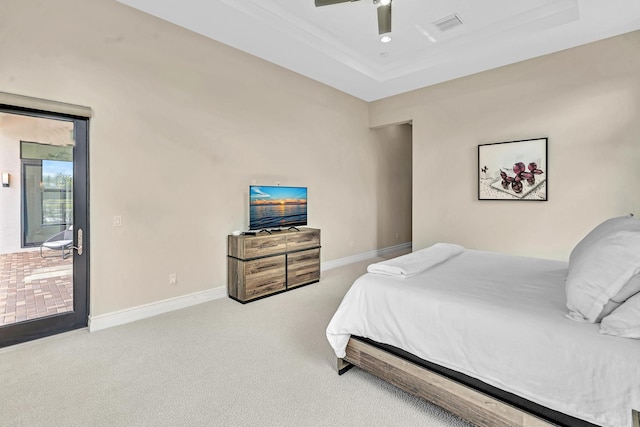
pixel 258 277
pixel 303 239
pixel 303 267
pixel 249 247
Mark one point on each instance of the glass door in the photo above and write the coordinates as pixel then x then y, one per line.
pixel 43 205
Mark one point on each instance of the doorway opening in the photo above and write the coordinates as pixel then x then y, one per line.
pixel 394 186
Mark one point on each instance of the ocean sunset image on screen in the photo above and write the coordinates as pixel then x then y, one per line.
pixel 277 207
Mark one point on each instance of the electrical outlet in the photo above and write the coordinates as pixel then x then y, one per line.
pixel 173 279
pixel 117 221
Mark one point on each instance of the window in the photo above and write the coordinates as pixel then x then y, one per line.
pixel 57 192
pixel 47 191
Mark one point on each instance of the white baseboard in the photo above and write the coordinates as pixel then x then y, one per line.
pixel 341 262
pixel 132 314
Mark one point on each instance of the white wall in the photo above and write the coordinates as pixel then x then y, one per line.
pixel 586 100
pixel 181 126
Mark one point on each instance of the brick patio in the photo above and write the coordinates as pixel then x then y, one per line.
pixel 33 287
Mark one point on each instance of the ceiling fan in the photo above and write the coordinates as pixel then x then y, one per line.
pixel 384 12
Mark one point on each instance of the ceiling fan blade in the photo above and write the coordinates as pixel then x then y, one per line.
pixel 328 2
pixel 384 19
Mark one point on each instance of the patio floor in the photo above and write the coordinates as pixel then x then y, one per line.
pixel 33 287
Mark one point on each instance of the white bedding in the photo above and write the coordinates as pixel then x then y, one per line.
pixel 500 319
pixel 416 262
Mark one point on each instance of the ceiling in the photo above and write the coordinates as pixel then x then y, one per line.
pixel 37 129
pixel 339 44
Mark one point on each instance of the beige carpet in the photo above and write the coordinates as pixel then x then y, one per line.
pixel 221 363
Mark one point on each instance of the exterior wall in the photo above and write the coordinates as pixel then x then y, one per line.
pixel 10 197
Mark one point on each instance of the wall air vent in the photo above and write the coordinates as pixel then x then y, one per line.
pixel 448 22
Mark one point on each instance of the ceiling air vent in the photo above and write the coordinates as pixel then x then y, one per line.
pixel 448 22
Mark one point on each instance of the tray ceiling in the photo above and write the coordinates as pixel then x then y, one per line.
pixel 339 44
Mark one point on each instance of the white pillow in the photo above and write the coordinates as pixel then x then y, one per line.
pixel 628 290
pixel 625 321
pixel 602 265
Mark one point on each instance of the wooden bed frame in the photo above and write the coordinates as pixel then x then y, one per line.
pixel 467 397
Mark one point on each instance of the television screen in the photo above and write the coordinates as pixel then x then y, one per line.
pixel 277 207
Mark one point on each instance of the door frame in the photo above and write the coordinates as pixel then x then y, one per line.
pixel 79 317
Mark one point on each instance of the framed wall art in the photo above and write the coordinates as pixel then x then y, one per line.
pixel 513 170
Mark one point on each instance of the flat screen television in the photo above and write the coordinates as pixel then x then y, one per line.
pixel 275 207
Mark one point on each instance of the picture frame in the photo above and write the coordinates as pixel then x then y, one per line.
pixel 513 170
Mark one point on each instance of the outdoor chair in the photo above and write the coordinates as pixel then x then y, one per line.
pixel 62 241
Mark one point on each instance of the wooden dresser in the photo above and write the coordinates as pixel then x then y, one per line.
pixel 266 264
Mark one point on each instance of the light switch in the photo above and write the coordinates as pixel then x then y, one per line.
pixel 117 221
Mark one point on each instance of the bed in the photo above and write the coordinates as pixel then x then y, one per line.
pixel 490 337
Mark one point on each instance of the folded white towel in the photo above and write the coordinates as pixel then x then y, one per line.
pixel 416 262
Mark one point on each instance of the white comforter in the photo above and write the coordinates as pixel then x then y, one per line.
pixel 500 319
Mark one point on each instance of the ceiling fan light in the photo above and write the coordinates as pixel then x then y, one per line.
pixel 385 39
